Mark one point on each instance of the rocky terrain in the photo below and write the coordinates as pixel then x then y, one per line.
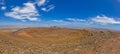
pixel 59 41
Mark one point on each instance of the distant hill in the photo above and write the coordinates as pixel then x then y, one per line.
pixel 10 27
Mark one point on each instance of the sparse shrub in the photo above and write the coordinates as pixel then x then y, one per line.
pixel 1 51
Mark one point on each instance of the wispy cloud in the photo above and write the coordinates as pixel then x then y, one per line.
pixel 49 8
pixel 44 8
pixel 70 21
pixel 3 8
pixel 76 19
pixel 105 20
pixel 93 21
pixel 40 2
pixel 58 20
pixel 28 12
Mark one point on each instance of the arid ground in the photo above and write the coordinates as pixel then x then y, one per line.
pixel 59 41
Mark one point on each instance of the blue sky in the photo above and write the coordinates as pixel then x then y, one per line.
pixel 63 13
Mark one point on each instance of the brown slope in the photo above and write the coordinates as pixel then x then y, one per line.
pixel 111 45
pixel 61 35
pixel 51 33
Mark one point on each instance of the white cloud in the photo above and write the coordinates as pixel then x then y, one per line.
pixel 49 8
pixel 44 5
pixel 3 8
pixel 23 20
pixel 60 22
pixel 75 20
pixel 41 2
pixel 57 20
pixel 70 21
pixel 28 12
pixel 105 20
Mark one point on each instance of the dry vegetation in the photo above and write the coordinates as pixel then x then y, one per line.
pixel 59 41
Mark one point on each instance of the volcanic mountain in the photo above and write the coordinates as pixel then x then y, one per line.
pixel 55 40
